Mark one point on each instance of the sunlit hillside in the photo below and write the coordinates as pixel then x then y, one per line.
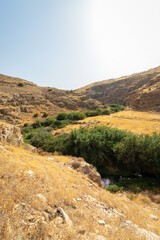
pixel 36 189
pixel 137 122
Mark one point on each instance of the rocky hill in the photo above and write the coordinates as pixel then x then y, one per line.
pixel 139 91
pixel 21 99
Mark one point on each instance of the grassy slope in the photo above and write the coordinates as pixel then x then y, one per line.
pixel 25 214
pixel 137 122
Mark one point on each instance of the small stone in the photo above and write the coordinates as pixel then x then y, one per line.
pixel 58 221
pixel 29 172
pixel 41 197
pixel 153 217
pixel 81 230
pixel 79 199
pixel 99 237
pixel 101 222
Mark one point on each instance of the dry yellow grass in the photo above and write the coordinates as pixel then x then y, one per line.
pixel 33 187
pixel 137 122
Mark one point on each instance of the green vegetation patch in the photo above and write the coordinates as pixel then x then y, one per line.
pixel 136 185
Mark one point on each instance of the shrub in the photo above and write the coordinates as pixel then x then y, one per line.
pixel 26 129
pixel 35 115
pixel 50 121
pixel 38 123
pixel 45 115
pixel 105 112
pixel 114 188
pixel 20 84
pixel 76 116
pixel 94 145
pixel 116 107
pixel 91 113
pixel 40 138
pixel 62 116
pixel 25 125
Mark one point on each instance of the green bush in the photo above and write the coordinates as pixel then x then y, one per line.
pixel 97 112
pixel 116 107
pixel 40 138
pixel 38 123
pixel 91 113
pixel 76 116
pixel 105 112
pixel 141 153
pixel 45 115
pixel 103 146
pixel 137 185
pixel 95 145
pixel 35 115
pixel 20 84
pixel 62 116
pixel 25 125
pixel 49 121
pixel 26 129
pixel 114 188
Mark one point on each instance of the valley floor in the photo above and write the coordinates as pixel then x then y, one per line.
pixel 137 122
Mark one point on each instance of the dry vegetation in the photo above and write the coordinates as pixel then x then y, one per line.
pixel 33 187
pixel 20 99
pixel 139 91
pixel 137 122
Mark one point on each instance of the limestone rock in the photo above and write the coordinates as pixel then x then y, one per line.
pixel 101 222
pixel 61 213
pixel 81 166
pixel 11 133
pixel 153 217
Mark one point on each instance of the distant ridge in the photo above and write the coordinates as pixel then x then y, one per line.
pixel 140 91
pixel 20 99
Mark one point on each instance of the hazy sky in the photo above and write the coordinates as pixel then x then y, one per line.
pixel 70 43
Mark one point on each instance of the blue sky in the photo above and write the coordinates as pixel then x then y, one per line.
pixel 70 43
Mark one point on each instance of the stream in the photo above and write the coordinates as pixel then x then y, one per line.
pixel 107 180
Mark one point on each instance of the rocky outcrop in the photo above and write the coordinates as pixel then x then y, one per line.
pixel 140 233
pixel 11 134
pixel 85 168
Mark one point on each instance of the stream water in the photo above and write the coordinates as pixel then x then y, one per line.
pixel 107 180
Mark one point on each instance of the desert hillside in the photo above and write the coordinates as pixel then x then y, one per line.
pixel 21 99
pixel 138 91
pixel 45 198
